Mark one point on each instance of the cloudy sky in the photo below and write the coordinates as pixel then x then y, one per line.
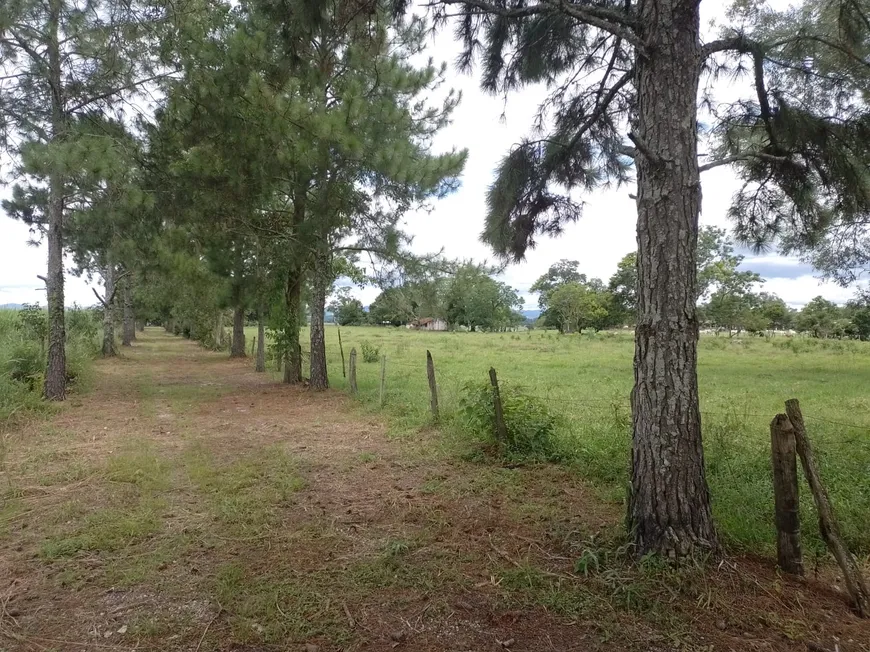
pixel 487 126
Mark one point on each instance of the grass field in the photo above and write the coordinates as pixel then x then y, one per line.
pixel 586 380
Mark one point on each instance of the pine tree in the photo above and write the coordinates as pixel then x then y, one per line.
pixel 624 80
pixel 63 60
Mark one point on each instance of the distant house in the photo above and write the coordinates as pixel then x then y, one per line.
pixel 428 324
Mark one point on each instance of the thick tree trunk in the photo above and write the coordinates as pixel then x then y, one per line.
pixel 238 348
pixel 129 332
pixel 670 501
pixel 293 301
pixel 108 349
pixel 54 387
pixel 320 281
pixel 261 342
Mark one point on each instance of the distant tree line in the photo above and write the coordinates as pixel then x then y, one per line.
pixel 728 298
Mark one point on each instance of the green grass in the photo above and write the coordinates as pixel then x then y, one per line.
pixel 22 361
pixel 586 380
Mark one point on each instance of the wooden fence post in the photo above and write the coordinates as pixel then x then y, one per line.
pixel 827 523
pixel 500 426
pixel 353 387
pixel 341 348
pixel 433 388
pixel 253 345
pixel 383 379
pixel 785 493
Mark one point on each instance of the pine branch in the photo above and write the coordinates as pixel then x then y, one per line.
pixel 115 91
pixel 613 21
pixel 747 156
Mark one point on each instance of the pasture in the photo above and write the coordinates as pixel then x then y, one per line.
pixel 586 381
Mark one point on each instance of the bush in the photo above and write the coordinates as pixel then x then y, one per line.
pixel 33 322
pixel 531 426
pixel 370 353
pixel 24 364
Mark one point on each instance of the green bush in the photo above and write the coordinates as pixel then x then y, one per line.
pixel 33 322
pixel 531 426
pixel 24 364
pixel 370 353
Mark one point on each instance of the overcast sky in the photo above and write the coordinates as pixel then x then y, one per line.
pixel 487 126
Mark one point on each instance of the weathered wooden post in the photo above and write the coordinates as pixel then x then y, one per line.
pixel 500 425
pixel 827 523
pixel 341 348
pixel 253 345
pixel 433 388
pixel 353 387
pixel 786 497
pixel 382 394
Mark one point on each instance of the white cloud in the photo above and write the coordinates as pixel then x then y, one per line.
pixel 798 291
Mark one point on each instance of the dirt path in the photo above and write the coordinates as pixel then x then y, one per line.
pixel 187 503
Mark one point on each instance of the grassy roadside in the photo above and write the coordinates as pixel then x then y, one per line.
pixel 585 382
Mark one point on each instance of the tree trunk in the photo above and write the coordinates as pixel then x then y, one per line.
pixel 670 501
pixel 129 332
pixel 320 281
pixel 54 387
pixel 238 348
pixel 293 300
pixel 109 312
pixel 219 331
pixel 261 342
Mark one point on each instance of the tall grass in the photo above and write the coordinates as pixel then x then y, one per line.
pixel 23 355
pixel 586 381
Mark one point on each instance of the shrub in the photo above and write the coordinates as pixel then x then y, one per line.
pixel 531 426
pixel 370 353
pixel 25 365
pixel 33 322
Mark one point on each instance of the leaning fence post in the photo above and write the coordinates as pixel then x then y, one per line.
pixel 253 345
pixel 500 426
pixel 341 348
pixel 353 387
pixel 827 523
pixel 383 379
pixel 433 388
pixel 785 493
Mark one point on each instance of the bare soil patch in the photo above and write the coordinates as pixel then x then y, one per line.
pixel 187 503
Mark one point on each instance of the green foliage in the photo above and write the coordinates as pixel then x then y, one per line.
pixel 347 310
pixel 477 301
pixel 33 322
pixel 370 353
pixel 26 365
pixel 22 355
pixel 575 307
pixel 531 426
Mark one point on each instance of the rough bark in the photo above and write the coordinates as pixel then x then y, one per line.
pixel 238 347
pixel 108 349
pixel 293 301
pixel 670 501
pixel 129 330
pixel 319 375
pixel 54 387
pixel 261 343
